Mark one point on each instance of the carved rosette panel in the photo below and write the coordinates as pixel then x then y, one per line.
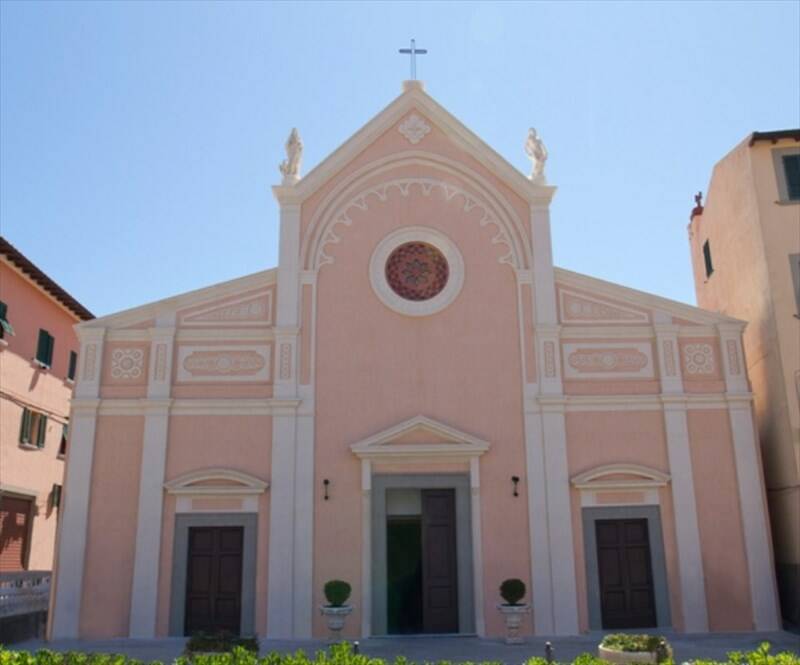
pixel 576 308
pixel 549 359
pixel 610 360
pixel 286 362
pixel 224 364
pixel 127 364
pixel 669 358
pixel 414 128
pixel 592 361
pixel 90 363
pixel 733 357
pixel 698 359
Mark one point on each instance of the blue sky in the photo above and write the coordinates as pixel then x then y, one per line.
pixel 138 141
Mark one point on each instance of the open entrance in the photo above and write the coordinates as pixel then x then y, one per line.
pixel 421 561
pixel 214 580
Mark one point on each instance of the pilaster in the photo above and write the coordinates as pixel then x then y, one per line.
pixel 289 602
pixel 477 544
pixel 144 590
pixel 687 532
pixel 72 527
pixel 752 502
pixel 669 365
pixel 733 365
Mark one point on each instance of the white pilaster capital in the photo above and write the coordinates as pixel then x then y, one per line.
pixel 552 403
pixel 90 334
pixel 84 406
pixel 287 197
pixel 666 329
pixel 674 402
pixel 736 328
pixel 541 196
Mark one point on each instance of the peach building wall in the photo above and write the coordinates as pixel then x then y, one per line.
pixel 23 383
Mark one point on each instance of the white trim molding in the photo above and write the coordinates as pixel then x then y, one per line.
pixel 430 236
pixel 231 482
pixel 457 445
pixel 639 477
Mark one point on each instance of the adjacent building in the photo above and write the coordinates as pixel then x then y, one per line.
pixel 38 366
pixel 415 401
pixel 745 245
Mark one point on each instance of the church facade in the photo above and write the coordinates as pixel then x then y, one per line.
pixel 415 401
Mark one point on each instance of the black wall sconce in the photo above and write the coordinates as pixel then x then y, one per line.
pixel 515 481
pixel 326 483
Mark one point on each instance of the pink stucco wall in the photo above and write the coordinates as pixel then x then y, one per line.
pixel 395 367
pixel 111 536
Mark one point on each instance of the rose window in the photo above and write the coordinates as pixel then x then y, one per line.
pixel 417 271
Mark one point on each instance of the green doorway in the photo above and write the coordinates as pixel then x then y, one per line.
pixel 404 574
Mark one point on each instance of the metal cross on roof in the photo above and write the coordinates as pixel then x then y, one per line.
pixel 413 53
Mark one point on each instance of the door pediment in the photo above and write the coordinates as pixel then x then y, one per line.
pixel 420 437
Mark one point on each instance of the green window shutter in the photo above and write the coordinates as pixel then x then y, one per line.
pixel 73 364
pixel 25 427
pixel 791 168
pixel 5 326
pixel 51 342
pixel 41 431
pixel 43 346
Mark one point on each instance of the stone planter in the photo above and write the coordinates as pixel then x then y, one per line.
pixel 513 615
pixel 336 617
pixel 625 657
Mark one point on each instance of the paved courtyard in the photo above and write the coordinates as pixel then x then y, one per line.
pixel 421 649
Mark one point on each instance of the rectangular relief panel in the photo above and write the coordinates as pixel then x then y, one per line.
pixel 608 360
pixel 224 364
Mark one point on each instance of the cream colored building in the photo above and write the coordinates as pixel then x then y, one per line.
pixel 745 247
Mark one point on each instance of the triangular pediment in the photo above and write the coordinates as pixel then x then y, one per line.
pixel 413 113
pixel 420 437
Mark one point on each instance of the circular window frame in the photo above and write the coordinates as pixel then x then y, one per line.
pixel 387 295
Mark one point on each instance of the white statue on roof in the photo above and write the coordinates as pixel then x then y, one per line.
pixel 534 148
pixel 290 167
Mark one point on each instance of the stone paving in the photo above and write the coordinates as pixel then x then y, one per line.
pixel 458 649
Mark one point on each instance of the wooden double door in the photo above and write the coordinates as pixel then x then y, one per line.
pixel 422 567
pixel 214 580
pixel 627 598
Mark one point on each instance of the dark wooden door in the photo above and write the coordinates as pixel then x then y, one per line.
pixel 626 577
pixel 214 580
pixel 439 578
pixel 15 533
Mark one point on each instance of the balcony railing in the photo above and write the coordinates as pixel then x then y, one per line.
pixel 25 592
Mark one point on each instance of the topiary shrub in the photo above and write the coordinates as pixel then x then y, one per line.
pixel 512 591
pixel 337 592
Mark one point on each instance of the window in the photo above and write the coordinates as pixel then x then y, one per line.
pixel 707 258
pixel 44 349
pixel 33 428
pixel 5 326
pixel 794 262
pixel 55 495
pixel 786 162
pixel 73 364
pixel 62 447
pixel 791 170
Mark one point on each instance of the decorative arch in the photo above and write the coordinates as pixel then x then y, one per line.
pixel 217 482
pixel 620 476
pixel 359 190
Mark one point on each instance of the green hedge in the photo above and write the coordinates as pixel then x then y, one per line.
pixel 340 654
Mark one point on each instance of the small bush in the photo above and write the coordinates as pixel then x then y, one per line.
pixel 337 592
pixel 512 591
pixel 627 642
pixel 220 642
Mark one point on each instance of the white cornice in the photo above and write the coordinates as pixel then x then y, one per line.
pixel 158 308
pixel 642 298
pixel 657 402
pixel 261 334
pixel 415 98
pixel 186 407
